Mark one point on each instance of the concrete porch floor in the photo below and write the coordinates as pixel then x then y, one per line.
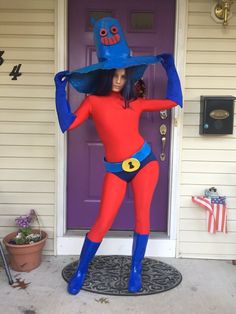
pixel 208 286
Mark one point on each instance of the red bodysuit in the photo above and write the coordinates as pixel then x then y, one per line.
pixel 118 129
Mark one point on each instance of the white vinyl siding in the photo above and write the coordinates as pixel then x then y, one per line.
pixel 27 115
pixel 207 160
pixel 27 123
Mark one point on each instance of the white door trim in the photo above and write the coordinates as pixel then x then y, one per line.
pixel 68 244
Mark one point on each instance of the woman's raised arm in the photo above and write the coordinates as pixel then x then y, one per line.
pixel 156 104
pixel 67 119
pixel 173 91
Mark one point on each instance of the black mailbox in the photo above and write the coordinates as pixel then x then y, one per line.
pixel 216 114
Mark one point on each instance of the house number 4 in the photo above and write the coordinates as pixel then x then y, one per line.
pixel 15 72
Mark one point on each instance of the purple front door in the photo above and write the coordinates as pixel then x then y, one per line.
pixel 149 28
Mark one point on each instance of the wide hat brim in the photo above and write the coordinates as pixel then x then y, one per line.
pixel 84 79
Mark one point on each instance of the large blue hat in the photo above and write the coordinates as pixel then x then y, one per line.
pixel 112 53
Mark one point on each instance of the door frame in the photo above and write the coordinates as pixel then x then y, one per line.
pixel 70 242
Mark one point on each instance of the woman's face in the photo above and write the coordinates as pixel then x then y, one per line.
pixel 118 80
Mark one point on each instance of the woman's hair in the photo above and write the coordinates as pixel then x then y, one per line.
pixel 103 85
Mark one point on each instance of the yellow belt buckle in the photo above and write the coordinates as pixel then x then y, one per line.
pixel 130 164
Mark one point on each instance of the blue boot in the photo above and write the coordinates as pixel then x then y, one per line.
pixel 138 252
pixel 88 251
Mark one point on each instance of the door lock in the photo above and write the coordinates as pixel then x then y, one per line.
pixel 163 114
pixel 163 131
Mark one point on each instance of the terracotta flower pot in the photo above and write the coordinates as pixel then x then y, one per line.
pixel 24 257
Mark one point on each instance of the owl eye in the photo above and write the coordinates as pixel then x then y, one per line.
pixel 103 32
pixel 114 30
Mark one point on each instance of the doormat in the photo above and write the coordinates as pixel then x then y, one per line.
pixel 110 275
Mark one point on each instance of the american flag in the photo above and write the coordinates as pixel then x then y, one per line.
pixel 216 212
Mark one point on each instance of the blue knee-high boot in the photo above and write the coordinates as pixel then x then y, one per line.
pixel 138 252
pixel 88 251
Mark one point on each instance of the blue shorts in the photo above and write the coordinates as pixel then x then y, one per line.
pixel 128 176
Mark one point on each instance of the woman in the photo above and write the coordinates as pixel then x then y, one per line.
pixel 116 111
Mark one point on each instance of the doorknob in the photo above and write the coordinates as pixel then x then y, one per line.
pixel 163 131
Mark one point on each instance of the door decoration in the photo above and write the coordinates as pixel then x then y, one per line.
pixel 140 88
pixel 116 111
pixel 216 210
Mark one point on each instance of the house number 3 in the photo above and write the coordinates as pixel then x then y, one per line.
pixel 15 72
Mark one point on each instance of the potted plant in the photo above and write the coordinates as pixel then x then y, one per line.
pixel 25 245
